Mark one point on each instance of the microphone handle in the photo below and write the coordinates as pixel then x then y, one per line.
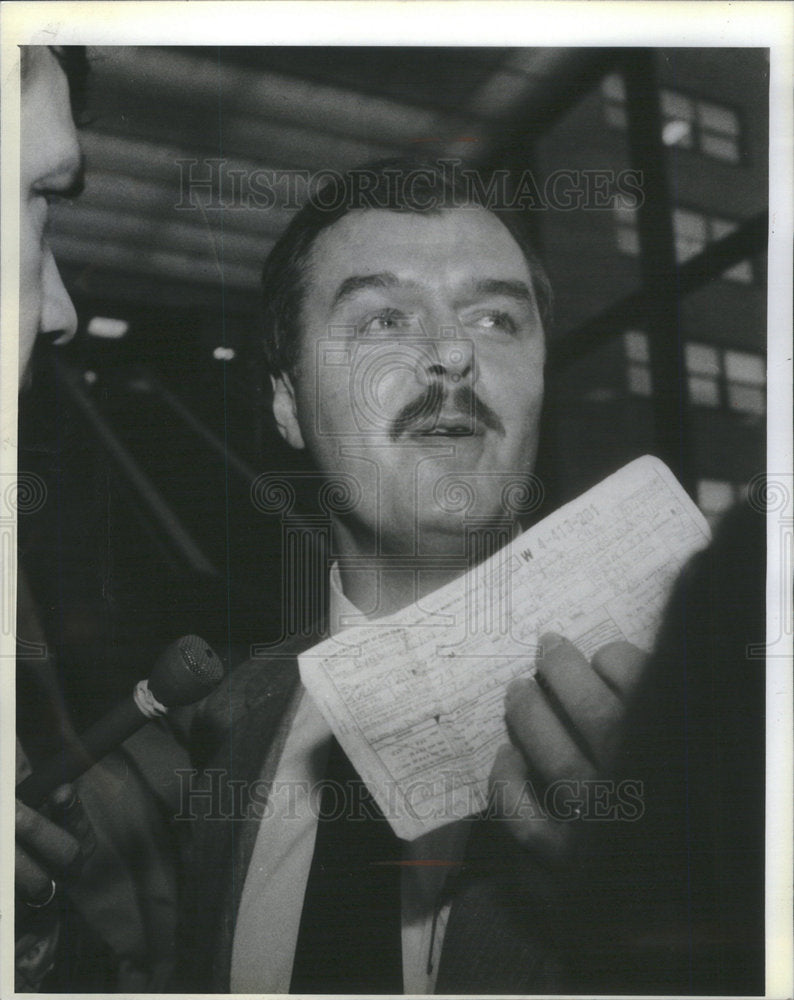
pixel 97 741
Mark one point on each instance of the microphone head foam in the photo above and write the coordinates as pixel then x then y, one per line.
pixel 185 672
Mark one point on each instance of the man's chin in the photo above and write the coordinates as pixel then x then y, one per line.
pixel 453 534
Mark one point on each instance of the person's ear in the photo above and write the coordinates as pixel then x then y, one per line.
pixel 285 410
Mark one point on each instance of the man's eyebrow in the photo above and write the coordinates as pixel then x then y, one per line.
pixel 358 282
pixel 513 289
pixel 66 179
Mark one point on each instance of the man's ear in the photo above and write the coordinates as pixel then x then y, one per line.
pixel 285 410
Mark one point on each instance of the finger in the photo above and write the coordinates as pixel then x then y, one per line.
pixel 54 847
pixel 593 709
pixel 31 882
pixel 514 802
pixel 67 811
pixel 542 737
pixel 621 665
pixel 24 943
pixel 35 955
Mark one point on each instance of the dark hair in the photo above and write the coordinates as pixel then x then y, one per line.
pixel 396 185
pixel 73 60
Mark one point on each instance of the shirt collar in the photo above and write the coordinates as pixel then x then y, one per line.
pixel 339 607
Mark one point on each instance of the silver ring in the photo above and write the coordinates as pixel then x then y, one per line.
pixel 47 901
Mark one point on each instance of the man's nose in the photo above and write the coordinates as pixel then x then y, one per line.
pixel 453 359
pixel 58 316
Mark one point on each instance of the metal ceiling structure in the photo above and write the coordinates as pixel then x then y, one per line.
pixel 161 117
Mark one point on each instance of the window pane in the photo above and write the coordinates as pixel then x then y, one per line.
pixel 677 132
pixel 723 148
pixel 684 249
pixel 703 391
pixel 612 86
pixel 743 272
pixel 715 495
pixel 718 118
pixel 689 225
pixel 628 241
pixel 746 399
pixel 625 210
pixel 676 105
pixel 743 367
pixel 635 343
pixel 639 378
pixel 615 115
pixel 722 227
pixel 702 360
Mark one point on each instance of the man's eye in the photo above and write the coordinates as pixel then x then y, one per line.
pixel 496 320
pixel 385 321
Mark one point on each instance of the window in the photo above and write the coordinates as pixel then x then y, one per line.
pixel 715 496
pixel 743 271
pixel 613 91
pixel 718 131
pixel 703 374
pixel 678 119
pixel 638 363
pixel 745 378
pixel 692 232
pixel 716 377
pixel 687 122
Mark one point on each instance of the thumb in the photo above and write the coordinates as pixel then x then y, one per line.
pixel 67 810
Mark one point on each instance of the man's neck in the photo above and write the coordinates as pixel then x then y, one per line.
pixel 381 589
pixel 382 585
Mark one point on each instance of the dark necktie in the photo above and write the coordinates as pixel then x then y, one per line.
pixel 349 936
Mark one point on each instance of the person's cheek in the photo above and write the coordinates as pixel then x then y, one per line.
pixel 519 402
pixel 384 377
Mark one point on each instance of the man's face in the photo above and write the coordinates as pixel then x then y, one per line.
pixel 50 167
pixel 421 367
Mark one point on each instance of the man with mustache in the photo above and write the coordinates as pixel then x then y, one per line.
pixel 405 339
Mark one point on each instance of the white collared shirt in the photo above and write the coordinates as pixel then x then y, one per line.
pixel 268 919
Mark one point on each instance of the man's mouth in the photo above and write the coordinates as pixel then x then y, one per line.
pixel 463 414
pixel 450 427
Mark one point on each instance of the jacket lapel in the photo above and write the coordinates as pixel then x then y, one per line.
pixel 501 929
pixel 246 722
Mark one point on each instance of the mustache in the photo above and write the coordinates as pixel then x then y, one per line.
pixel 425 410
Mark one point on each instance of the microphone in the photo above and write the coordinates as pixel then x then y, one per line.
pixel 183 674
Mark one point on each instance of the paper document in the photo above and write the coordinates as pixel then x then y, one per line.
pixel 417 699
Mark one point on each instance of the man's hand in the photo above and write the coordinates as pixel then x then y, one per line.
pixel 566 725
pixel 48 852
pixel 45 851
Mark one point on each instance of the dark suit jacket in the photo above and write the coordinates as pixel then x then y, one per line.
pixel 495 940
pixel 671 903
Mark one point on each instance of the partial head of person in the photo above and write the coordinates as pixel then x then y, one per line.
pixel 404 332
pixel 52 81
